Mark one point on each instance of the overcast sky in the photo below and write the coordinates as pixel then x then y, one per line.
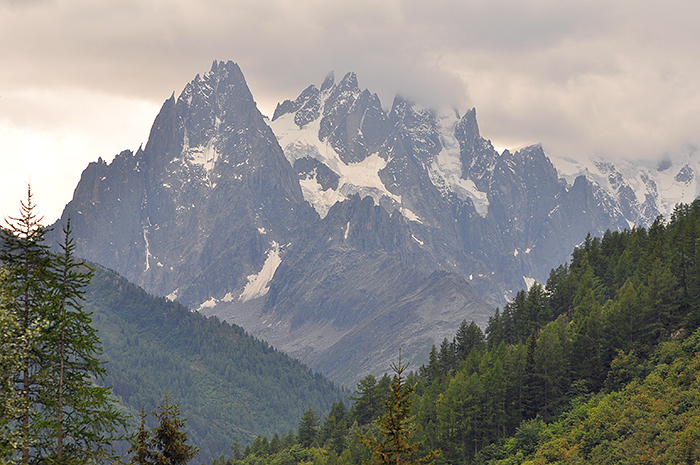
pixel 82 79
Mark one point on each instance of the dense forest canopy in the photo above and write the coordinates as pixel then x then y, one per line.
pixel 229 385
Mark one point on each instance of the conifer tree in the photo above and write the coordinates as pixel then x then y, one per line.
pixel 468 337
pixel 63 417
pixel 10 363
pixel 141 445
pixel 334 428
pixel 367 401
pixel 169 438
pixel 532 386
pixel 12 346
pixel 308 428
pixel 79 419
pixel 430 372
pixel 238 453
pixel 274 446
pixel 27 261
pixel 395 445
pixel 166 444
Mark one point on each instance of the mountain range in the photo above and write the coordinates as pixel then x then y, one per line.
pixel 340 230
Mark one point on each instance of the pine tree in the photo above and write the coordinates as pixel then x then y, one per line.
pixel 141 445
pixel 366 401
pixel 274 446
pixel 395 445
pixel 334 428
pixel 80 421
pixel 468 337
pixel 430 372
pixel 446 357
pixel 10 363
pixel 165 444
pixel 308 428
pixel 238 453
pixel 64 417
pixel 27 261
pixel 532 382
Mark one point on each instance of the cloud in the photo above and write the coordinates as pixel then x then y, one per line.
pixel 616 79
pixel 48 138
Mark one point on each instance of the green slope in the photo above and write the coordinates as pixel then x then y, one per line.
pixel 575 368
pixel 229 385
pixel 654 420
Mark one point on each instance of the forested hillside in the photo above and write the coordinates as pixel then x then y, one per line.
pixel 229 385
pixel 598 366
pixel 609 318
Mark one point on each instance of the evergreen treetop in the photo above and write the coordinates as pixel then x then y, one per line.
pixel 396 428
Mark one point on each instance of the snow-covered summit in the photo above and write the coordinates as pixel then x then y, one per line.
pixel 302 144
pixel 644 189
pixel 341 134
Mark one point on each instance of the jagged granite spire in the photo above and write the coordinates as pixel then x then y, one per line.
pixel 211 184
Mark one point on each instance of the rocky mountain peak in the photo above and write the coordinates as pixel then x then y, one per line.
pixel 194 128
pixel 224 78
pixel 477 155
pixel 417 128
pixel 211 176
pixel 328 82
pixel 467 130
pixel 349 82
pixel 307 105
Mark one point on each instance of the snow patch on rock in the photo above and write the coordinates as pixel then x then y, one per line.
pixel 258 283
pixel 446 168
pixel 204 156
pixel 409 215
pixel 528 282
pixel 148 249
pixel 355 178
pixel 321 200
pixel 208 304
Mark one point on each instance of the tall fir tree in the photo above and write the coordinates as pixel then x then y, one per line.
pixel 80 419
pixel 468 337
pixel 396 428
pixel 367 401
pixel 27 260
pixel 165 444
pixel 141 443
pixel 63 416
pixel 170 438
pixel 334 428
pixel 308 428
